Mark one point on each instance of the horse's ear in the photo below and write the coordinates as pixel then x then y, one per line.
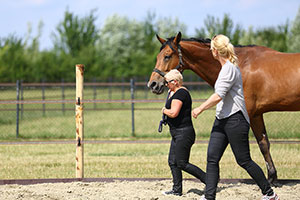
pixel 162 41
pixel 177 39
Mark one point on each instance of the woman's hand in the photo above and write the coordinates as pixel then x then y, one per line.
pixel 174 110
pixel 196 112
pixel 210 102
pixel 163 109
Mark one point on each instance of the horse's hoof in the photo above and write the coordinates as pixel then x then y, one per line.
pixel 273 180
pixel 276 183
pixel 272 175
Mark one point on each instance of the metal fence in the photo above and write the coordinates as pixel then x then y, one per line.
pixel 112 110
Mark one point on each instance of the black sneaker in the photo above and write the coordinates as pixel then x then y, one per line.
pixel 172 192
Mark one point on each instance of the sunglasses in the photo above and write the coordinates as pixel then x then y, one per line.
pixel 167 82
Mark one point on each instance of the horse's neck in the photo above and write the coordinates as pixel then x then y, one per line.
pixel 198 58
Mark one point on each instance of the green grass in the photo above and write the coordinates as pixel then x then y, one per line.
pixel 117 124
pixel 121 160
pixel 117 160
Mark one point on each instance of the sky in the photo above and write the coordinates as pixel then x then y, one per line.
pixel 15 15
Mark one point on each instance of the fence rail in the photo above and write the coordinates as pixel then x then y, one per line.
pixel 41 98
pixel 195 83
pixel 30 108
pixel 87 101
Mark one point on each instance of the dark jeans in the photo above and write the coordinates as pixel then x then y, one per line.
pixel 179 154
pixel 233 130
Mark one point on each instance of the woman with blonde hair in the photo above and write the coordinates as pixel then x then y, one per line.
pixel 232 122
pixel 178 111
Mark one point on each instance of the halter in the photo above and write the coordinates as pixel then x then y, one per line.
pixel 180 65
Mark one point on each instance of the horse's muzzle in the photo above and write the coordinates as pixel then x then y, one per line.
pixel 156 87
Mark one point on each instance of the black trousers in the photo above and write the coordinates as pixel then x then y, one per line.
pixel 179 154
pixel 233 130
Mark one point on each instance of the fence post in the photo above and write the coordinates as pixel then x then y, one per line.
pixel 95 93
pixel 110 88
pixel 18 98
pixel 146 88
pixel 22 98
pixel 123 90
pixel 191 80
pixel 43 97
pixel 79 121
pixel 132 106
pixel 63 95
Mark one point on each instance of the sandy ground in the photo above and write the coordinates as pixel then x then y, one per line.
pixel 136 190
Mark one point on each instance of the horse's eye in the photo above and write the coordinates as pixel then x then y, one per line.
pixel 167 58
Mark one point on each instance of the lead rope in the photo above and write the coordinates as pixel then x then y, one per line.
pixel 164 117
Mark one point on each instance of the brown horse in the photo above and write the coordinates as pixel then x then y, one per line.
pixel 271 79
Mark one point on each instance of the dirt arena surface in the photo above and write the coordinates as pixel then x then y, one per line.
pixel 136 190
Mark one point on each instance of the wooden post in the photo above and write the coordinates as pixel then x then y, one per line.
pixel 79 120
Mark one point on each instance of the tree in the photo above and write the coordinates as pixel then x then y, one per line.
pixel 294 36
pixel 74 42
pixel 33 54
pixel 214 26
pixel 120 43
pixel 167 27
pixel 74 33
pixel 272 37
pixel 247 37
pixel 129 47
pixel 13 63
pixel 123 47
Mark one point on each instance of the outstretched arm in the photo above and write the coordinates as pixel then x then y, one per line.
pixel 210 102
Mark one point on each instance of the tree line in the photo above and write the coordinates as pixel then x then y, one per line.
pixel 122 47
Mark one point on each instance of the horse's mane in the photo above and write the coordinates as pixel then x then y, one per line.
pixel 248 45
pixel 202 41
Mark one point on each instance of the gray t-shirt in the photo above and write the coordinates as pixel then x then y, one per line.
pixel 229 86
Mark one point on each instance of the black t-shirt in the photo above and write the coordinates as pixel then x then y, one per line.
pixel 184 117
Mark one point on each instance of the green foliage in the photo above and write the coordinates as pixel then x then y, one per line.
pixel 129 47
pixel 121 43
pixel 75 33
pixel 214 26
pixel 122 47
pixel 168 27
pixel 13 63
pixel 294 36
pixel 275 38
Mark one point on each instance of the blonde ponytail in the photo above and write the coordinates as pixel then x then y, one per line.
pixel 225 49
pixel 232 56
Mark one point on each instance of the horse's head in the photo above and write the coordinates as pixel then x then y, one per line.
pixel 169 57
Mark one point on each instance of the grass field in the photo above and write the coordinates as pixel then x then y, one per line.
pixel 113 121
pixel 129 160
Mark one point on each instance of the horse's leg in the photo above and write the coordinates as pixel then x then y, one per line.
pixel 259 130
